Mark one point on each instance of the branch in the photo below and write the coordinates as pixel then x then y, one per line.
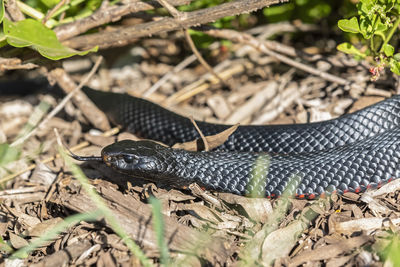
pixel 14 11
pixel 129 34
pixel 107 15
pixel 250 40
pixel 60 106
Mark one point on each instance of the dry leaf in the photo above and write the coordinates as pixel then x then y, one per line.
pixel 44 226
pixel 330 251
pixel 17 242
pixel 257 209
pixel 364 224
pixel 212 140
pixel 279 243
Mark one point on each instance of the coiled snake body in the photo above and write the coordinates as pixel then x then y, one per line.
pixel 351 153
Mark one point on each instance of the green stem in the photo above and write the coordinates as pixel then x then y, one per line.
pixel 372 44
pixel 372 37
pixel 30 11
pixel 66 7
pixel 390 35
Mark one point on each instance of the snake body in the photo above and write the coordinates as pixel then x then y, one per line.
pixel 350 153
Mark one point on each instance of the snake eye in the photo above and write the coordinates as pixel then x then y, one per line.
pixel 128 158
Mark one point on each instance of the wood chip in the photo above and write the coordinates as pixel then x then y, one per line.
pixel 254 104
pixel 257 209
pixel 365 101
pixel 134 215
pixel 41 228
pixel 64 256
pixel 363 224
pixel 279 243
pixel 330 251
pixel 220 106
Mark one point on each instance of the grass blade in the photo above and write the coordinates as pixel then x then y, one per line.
pixel 105 211
pixel 55 231
pixel 159 229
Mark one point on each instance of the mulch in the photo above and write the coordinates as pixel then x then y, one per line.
pixel 201 227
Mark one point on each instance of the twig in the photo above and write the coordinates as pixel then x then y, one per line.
pixel 107 15
pixel 14 11
pixel 206 146
pixel 198 192
pixel 61 104
pixel 181 16
pixel 200 57
pixel 187 61
pixel 172 10
pixel 94 115
pixel 15 64
pixel 129 34
pixel 267 30
pixel 75 148
pixel 32 12
pixel 53 10
pixel 250 40
pixel 203 84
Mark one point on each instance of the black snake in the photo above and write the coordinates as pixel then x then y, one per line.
pixel 350 153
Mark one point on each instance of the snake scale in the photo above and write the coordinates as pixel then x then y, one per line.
pixel 350 153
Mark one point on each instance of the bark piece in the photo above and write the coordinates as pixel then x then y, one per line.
pixel 135 218
pixel 62 257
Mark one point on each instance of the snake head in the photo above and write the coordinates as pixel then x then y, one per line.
pixel 141 159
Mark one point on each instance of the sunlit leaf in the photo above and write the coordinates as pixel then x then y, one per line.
pixel 350 49
pixel 32 33
pixel 349 25
pixel 50 3
pixel 1 10
pixel 388 50
pixel 380 26
pixel 395 66
pixel 365 27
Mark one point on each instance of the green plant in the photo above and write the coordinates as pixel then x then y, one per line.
pixel 158 223
pixel 387 247
pixel 32 33
pixel 104 210
pixel 308 11
pixel 377 21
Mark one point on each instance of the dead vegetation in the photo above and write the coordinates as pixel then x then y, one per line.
pixel 255 81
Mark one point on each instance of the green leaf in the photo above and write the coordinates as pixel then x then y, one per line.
pixel 397 56
pixel 394 66
pixel 380 26
pixel 1 10
pixel 350 49
pixel 279 12
pixel 50 3
pixel 388 50
pixel 349 25
pixel 364 7
pixel 390 249
pixel 365 27
pixel 34 34
pixel 8 154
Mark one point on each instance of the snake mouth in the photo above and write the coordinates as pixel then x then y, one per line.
pixel 107 160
